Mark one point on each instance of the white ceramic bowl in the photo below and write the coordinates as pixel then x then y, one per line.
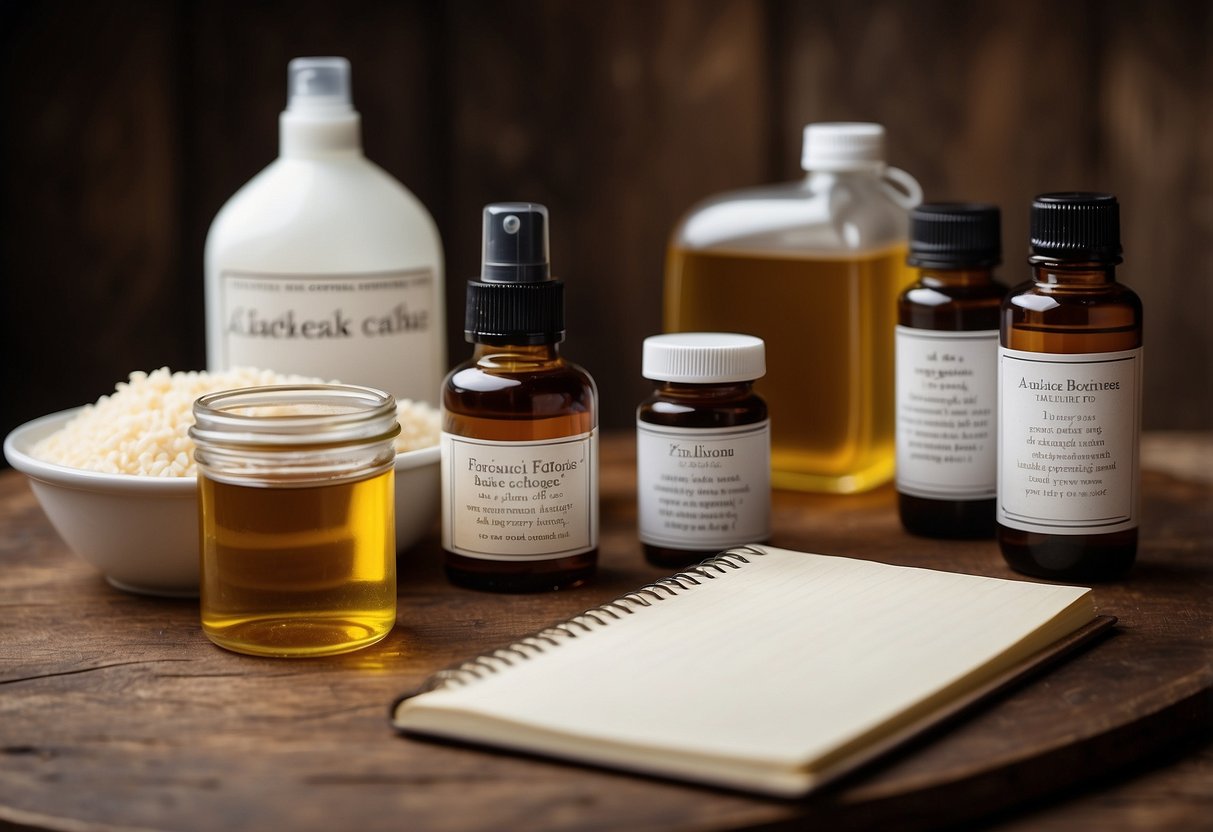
pixel 142 532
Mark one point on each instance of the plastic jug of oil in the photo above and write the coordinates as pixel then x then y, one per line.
pixel 813 268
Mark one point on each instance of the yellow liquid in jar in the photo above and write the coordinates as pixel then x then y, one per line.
pixel 828 326
pixel 301 571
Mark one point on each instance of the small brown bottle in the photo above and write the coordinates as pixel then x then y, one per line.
pixel 1070 381
pixel 520 425
pixel 947 372
pixel 703 447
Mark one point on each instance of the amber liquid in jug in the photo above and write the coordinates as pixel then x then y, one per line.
pixel 813 268
pixel 828 325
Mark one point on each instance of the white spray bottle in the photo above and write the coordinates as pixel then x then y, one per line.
pixel 323 264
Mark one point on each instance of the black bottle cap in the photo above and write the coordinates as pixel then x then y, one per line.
pixel 516 301
pixel 1079 227
pixel 953 235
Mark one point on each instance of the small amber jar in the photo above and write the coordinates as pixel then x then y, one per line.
pixel 703 447
pixel 296 512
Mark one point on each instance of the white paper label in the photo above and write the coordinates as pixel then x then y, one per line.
pixel 376 329
pixel 1068 441
pixel 947 388
pixel 703 488
pixel 520 501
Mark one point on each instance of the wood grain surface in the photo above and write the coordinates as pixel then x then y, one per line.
pixel 127 125
pixel 116 713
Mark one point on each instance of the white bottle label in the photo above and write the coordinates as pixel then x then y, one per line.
pixel 520 501
pixel 947 389
pixel 703 488
pixel 377 329
pixel 1068 441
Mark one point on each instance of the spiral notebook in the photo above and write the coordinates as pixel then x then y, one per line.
pixel 761 669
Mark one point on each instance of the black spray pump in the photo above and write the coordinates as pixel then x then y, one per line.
pixel 515 243
pixel 516 301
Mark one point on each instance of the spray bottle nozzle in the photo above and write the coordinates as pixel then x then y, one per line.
pixel 318 85
pixel 516 300
pixel 515 243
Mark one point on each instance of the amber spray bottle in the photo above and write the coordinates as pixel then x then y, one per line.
pixel 520 425
pixel 947 372
pixel 1070 381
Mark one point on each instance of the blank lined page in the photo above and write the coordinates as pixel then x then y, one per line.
pixel 782 660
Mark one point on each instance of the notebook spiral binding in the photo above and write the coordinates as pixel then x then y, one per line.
pixel 586 622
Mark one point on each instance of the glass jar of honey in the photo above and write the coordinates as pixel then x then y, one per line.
pixel 296 512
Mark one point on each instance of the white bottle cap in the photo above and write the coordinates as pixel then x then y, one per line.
pixel 843 145
pixel 318 85
pixel 320 117
pixel 704 357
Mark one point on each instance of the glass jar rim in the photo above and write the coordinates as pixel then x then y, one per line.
pixel 328 414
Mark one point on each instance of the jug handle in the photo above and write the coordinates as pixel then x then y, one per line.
pixel 901 187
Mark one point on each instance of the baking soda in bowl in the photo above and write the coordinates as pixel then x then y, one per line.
pixel 141 428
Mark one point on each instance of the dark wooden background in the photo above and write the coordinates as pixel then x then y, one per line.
pixel 125 125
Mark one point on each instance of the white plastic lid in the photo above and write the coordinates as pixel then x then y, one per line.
pixel 843 145
pixel 319 118
pixel 704 357
pixel 318 85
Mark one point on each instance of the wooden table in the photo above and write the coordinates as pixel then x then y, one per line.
pixel 116 713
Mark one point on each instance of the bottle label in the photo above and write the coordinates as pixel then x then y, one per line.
pixel 703 488
pixel 520 501
pixel 947 388
pixel 1068 441
pixel 373 328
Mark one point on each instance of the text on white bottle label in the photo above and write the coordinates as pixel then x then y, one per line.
pixel 520 501
pixel 703 488
pixel 1068 441
pixel 947 387
pixel 365 328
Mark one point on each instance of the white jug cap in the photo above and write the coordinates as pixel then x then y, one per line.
pixel 843 145
pixel 703 357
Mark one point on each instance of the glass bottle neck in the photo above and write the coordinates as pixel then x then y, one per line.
pixel 722 390
pixel 1073 274
pixel 934 278
pixel 513 356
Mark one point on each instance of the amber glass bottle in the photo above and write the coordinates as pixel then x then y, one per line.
pixel 947 372
pixel 1070 365
pixel 703 447
pixel 520 425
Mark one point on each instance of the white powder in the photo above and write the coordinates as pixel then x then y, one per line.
pixel 142 427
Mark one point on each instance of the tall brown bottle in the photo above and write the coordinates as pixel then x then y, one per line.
pixel 947 372
pixel 520 425
pixel 1070 375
